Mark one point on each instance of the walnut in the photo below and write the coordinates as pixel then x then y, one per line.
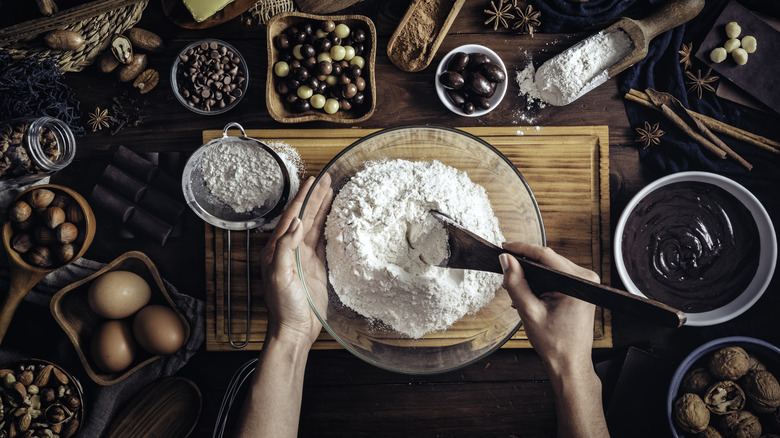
pixel 724 397
pixel 690 413
pixel 696 380
pixel 729 363
pixel 762 390
pixel 709 432
pixel 740 424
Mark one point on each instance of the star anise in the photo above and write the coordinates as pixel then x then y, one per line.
pixel 650 135
pixel 527 20
pixel 699 84
pixel 99 119
pixel 685 55
pixel 499 14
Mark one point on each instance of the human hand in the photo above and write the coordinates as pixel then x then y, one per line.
pixel 289 314
pixel 559 327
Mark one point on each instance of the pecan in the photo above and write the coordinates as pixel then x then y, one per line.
pixel 146 80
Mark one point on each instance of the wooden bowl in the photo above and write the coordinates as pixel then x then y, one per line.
pixel 72 387
pixel 71 310
pixel 273 99
pixel 25 276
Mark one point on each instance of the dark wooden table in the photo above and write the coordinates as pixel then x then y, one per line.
pixel 505 394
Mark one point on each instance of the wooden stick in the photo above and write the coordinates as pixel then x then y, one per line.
pixel 713 124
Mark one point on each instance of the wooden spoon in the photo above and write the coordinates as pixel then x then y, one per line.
pixel 25 276
pixel 469 251
pixel 641 32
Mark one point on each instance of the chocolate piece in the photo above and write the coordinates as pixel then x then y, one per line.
pixel 161 205
pixel 122 183
pixel 691 245
pixel 134 164
pixel 117 206
pixel 142 222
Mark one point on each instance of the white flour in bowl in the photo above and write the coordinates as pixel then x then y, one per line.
pixel 382 244
pixel 579 69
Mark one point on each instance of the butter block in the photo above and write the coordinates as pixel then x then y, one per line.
pixel 203 9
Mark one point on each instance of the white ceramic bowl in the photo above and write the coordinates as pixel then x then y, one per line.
pixel 767 251
pixel 500 88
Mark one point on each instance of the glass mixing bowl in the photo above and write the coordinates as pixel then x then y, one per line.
pixel 473 336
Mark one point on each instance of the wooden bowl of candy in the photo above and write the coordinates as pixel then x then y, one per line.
pixel 321 68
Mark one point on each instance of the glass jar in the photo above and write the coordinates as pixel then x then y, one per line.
pixel 32 148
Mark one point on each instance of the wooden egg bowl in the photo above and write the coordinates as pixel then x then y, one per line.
pixel 273 99
pixel 71 310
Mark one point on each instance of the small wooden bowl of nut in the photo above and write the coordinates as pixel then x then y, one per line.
pixel 47 227
pixel 321 68
pixel 37 396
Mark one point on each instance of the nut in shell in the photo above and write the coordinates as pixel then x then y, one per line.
pixel 40 199
pixel 724 397
pixel 762 390
pixel 74 214
pixel 690 413
pixel 146 80
pixel 20 211
pixel 54 217
pixel 39 256
pixel 742 424
pixel 122 49
pixel 66 233
pixel 696 380
pixel 729 363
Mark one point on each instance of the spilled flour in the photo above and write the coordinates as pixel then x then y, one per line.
pixel 581 68
pixel 382 244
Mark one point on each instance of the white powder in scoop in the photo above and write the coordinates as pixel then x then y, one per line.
pixel 382 244
pixel 581 68
pixel 245 176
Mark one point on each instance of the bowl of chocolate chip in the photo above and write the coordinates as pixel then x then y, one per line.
pixel 320 68
pixel 699 242
pixel 209 77
pixel 471 80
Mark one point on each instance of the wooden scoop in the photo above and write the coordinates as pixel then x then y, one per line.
pixel 25 276
pixel 469 251
pixel 641 32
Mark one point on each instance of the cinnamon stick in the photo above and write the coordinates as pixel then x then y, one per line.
pixel 706 144
pixel 713 124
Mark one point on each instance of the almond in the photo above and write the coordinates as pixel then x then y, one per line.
pixel 62 377
pixel 42 379
pixel 20 389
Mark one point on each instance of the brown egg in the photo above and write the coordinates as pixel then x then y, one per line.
pixel 118 294
pixel 158 329
pixel 113 347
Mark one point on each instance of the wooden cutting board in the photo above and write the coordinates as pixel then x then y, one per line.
pixel 567 168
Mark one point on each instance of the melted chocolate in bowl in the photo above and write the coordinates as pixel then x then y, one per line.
pixel 691 245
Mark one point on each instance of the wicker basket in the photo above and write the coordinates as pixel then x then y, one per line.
pixel 97 21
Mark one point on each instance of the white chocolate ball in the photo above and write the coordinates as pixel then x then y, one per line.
pixel 718 55
pixel 731 44
pixel 749 43
pixel 740 56
pixel 733 29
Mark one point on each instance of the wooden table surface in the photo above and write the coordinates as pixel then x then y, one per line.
pixel 505 394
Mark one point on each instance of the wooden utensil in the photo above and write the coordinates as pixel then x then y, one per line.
pixel 641 32
pixel 167 408
pixel 323 6
pixel 469 251
pixel 25 276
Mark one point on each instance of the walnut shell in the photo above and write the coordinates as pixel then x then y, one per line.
pixel 696 380
pixel 740 424
pixel 690 413
pixel 709 432
pixel 729 363
pixel 756 364
pixel 762 390
pixel 724 397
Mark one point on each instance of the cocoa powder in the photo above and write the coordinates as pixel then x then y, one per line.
pixel 416 39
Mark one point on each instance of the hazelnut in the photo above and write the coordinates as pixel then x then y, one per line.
pixel 740 424
pixel 39 256
pixel 20 211
pixel 26 225
pixel 724 397
pixel 60 200
pixel 762 390
pixel 72 402
pixel 691 414
pixel 22 242
pixel 54 217
pixel 74 214
pixel 44 236
pixel 729 363
pixel 47 395
pixel 67 233
pixel 696 380
pixel 39 199
pixel 66 253
pixel 55 414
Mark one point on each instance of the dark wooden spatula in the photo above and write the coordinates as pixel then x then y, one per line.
pixel 469 251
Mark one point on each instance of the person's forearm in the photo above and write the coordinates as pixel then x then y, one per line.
pixel 273 405
pixel 578 402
